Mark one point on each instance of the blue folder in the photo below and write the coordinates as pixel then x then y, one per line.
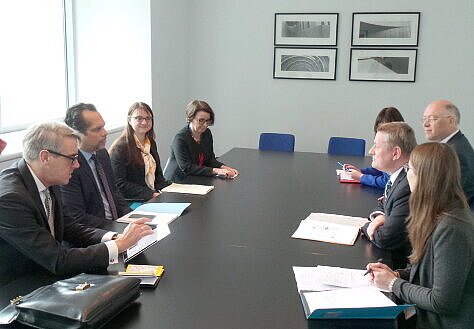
pixel 387 312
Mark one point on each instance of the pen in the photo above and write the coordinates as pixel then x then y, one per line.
pixel 369 270
pixel 343 167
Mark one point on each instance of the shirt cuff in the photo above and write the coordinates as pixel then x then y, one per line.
pixel 107 236
pixel 113 252
pixel 375 214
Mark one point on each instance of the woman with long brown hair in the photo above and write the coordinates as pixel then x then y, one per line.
pixel 135 158
pixel 440 277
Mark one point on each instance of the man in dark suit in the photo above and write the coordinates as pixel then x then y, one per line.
pixel 32 223
pixel 440 124
pixel 92 195
pixel 393 144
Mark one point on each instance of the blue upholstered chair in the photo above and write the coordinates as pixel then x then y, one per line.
pixel 276 142
pixel 346 146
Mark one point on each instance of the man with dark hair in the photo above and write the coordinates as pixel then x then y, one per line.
pixel 441 124
pixel 33 226
pixel 91 195
pixel 393 144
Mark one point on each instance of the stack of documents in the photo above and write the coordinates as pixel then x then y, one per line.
pixel 149 275
pixel 188 188
pixel 160 232
pixel 343 293
pixel 158 213
pixel 330 228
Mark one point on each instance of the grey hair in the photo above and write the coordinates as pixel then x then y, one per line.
pixel 45 136
pixel 454 111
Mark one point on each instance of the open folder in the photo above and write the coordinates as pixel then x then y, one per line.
pixel 349 303
pixel 158 213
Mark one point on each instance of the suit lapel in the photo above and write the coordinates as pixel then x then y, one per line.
pixel 58 219
pixel 395 184
pixel 88 170
pixel 32 189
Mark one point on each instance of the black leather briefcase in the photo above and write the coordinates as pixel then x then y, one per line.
pixel 83 301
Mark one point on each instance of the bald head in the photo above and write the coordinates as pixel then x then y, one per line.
pixel 440 119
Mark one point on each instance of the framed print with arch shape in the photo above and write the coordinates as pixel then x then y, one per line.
pixel 306 29
pixel 305 63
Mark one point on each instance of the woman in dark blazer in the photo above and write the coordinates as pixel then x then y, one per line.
pixel 134 156
pixel 440 277
pixel 192 150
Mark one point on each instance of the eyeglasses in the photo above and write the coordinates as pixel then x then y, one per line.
pixel 202 121
pixel 70 157
pixel 432 119
pixel 139 119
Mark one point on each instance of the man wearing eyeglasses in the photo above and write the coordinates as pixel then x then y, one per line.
pixel 91 195
pixel 33 225
pixel 440 124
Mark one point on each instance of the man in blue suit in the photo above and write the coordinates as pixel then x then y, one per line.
pixel 393 144
pixel 91 195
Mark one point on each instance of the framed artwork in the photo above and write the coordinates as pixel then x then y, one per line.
pixel 306 29
pixel 383 64
pixel 305 63
pixel 385 29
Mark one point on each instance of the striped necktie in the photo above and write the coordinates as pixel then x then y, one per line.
pixel 388 186
pixel 105 185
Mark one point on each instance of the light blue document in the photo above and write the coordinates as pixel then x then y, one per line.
pixel 164 207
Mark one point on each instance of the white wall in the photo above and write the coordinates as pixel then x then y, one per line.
pixel 170 35
pixel 229 49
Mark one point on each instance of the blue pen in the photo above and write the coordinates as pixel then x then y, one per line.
pixel 342 165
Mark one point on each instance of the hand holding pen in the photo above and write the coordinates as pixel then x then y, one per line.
pixel 344 166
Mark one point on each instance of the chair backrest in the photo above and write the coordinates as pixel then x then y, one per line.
pixel 276 142
pixel 346 146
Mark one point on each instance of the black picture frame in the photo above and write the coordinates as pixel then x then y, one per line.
pixel 304 63
pixel 390 29
pixel 381 64
pixel 305 29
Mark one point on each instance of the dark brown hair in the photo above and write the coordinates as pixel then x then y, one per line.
pixel 437 192
pixel 387 114
pixel 132 150
pixel 195 106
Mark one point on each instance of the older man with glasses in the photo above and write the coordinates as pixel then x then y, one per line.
pixel 441 124
pixel 33 225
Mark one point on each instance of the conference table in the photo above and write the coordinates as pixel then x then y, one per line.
pixel 228 260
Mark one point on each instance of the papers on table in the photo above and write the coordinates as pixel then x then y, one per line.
pixel 161 231
pixel 336 292
pixel 320 278
pixel 330 228
pixel 345 177
pixel 164 212
pixel 188 188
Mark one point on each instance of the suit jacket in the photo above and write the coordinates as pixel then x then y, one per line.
pixel 441 284
pixel 26 243
pixel 130 178
pixel 393 234
pixel 82 195
pixel 465 154
pixel 184 156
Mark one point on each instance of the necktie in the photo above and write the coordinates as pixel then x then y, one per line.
pixel 105 185
pixel 48 202
pixel 388 186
